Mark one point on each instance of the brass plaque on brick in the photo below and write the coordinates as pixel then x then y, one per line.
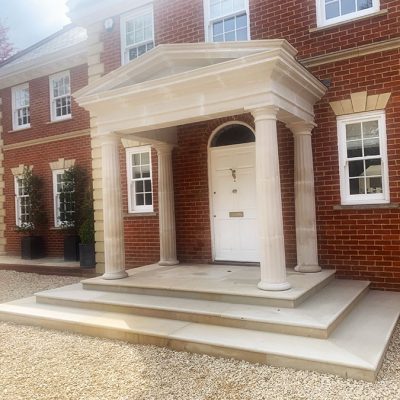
pixel 236 214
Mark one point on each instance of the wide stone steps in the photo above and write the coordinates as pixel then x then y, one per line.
pixel 316 317
pixel 354 349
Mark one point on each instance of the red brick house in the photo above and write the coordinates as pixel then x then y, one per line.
pixel 231 132
pixel 353 51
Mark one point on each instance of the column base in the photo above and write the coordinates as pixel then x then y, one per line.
pixel 274 287
pixel 168 263
pixel 109 276
pixel 308 268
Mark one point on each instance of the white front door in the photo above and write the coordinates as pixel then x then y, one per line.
pixel 233 208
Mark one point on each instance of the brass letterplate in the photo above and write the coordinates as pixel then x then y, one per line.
pixel 236 214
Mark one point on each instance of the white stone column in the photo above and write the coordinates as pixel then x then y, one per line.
pixel 114 246
pixel 306 226
pixel 166 205
pixel 269 202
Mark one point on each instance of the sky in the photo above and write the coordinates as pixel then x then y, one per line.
pixel 32 20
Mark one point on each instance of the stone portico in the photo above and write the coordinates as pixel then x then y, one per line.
pixel 174 85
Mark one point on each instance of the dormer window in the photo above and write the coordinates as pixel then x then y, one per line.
pixel 137 33
pixel 226 20
pixel 335 11
pixel 21 107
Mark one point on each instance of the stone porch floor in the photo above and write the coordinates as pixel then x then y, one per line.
pixel 219 282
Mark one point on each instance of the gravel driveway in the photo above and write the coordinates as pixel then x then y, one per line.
pixel 43 364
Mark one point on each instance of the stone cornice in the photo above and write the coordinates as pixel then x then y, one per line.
pixel 50 139
pixel 351 53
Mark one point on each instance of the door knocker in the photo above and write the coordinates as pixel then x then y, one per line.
pixel 233 174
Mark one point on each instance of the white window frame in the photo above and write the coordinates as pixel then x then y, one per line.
pixel 56 197
pixel 132 207
pixel 131 15
pixel 18 221
pixel 208 21
pixel 53 99
pixel 15 109
pixel 346 197
pixel 321 14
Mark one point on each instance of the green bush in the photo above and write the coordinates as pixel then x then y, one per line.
pixel 86 232
pixel 74 191
pixel 33 189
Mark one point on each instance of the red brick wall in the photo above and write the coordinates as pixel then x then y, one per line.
pixel 361 244
pixel 182 21
pixel 40 156
pixel 179 21
pixel 111 56
pixel 40 110
pixel 142 244
pixel 292 20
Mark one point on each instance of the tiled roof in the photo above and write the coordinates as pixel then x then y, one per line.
pixel 65 38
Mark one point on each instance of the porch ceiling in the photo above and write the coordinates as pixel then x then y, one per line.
pixel 184 83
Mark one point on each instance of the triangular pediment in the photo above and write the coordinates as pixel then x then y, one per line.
pixel 178 84
pixel 173 59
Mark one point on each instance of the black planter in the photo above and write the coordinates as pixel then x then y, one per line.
pixel 32 247
pixel 87 255
pixel 71 248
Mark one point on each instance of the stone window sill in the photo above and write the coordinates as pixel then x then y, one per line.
pixel 59 121
pixel 375 14
pixel 366 206
pixel 20 130
pixel 138 215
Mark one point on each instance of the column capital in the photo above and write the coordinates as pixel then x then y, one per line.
pixel 302 127
pixel 109 138
pixel 265 113
pixel 163 148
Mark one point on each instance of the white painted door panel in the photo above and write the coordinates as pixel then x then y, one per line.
pixel 233 190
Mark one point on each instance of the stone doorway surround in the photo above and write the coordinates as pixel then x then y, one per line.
pixel 178 84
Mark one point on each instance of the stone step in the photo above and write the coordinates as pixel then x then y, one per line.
pixel 228 284
pixel 316 317
pixel 355 349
